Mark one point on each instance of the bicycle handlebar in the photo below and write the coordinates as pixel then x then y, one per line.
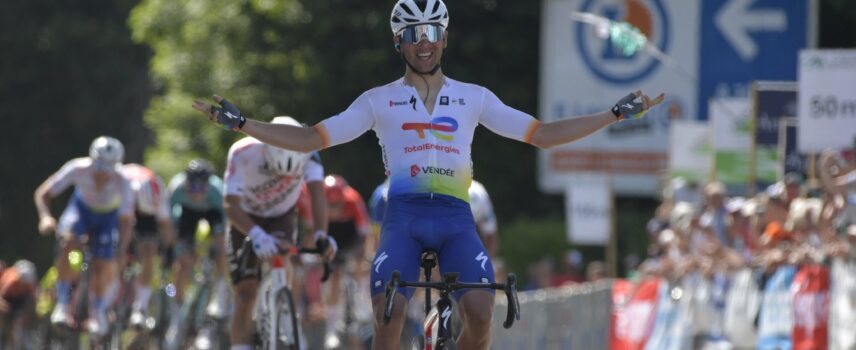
pixel 320 248
pixel 450 284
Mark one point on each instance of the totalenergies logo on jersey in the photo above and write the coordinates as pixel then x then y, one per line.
pixel 437 127
pixel 605 60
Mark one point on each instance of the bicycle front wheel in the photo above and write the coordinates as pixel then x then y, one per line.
pixel 277 323
pixel 288 333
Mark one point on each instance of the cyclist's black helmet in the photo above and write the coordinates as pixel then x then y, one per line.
pixel 199 170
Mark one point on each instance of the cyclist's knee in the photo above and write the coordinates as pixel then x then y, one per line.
pixel 399 311
pixel 476 309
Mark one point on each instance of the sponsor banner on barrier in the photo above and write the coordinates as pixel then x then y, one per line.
pixel 811 308
pixel 827 100
pixel 633 312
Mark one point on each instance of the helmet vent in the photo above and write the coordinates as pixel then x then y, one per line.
pixel 436 6
pixel 434 18
pixel 421 4
pixel 407 9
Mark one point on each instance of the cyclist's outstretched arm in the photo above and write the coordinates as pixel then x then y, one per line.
pixel 338 129
pixel 291 137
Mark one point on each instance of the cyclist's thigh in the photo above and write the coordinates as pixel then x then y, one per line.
pixel 243 262
pixel 215 220
pixel 398 250
pixel 463 252
pixel 187 224
pixel 104 234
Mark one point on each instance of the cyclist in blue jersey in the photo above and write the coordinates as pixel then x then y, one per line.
pixel 101 208
pixel 425 123
pixel 197 194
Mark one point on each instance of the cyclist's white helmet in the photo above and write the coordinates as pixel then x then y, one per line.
pixel 107 149
pixel 282 161
pixel 27 271
pixel 410 12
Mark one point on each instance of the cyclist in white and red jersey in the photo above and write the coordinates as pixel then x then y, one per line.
pixel 425 123
pixel 102 208
pixel 263 184
pixel 151 209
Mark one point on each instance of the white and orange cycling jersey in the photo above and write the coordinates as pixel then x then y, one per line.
pixel 263 193
pixel 149 191
pixel 427 152
pixel 114 194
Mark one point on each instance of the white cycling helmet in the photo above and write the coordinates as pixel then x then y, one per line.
pixel 107 149
pixel 27 271
pixel 410 12
pixel 282 161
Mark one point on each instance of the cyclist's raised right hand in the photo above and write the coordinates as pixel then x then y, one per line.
pixel 264 245
pixel 47 224
pixel 227 114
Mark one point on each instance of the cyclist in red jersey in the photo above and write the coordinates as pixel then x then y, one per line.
pixel 348 223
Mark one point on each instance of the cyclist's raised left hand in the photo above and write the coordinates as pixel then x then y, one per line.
pixel 635 105
pixel 47 224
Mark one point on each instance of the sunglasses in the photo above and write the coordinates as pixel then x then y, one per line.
pixel 413 34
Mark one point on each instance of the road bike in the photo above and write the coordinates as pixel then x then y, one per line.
pixel 438 331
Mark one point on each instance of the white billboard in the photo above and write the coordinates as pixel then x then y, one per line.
pixel 588 210
pixel 581 74
pixel 827 100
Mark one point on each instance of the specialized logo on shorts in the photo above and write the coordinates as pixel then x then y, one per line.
pixel 436 126
pixel 415 170
pixel 379 260
pixel 483 258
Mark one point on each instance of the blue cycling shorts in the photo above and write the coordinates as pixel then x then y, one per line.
pixel 415 223
pixel 102 228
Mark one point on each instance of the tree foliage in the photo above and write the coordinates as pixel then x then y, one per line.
pixel 311 59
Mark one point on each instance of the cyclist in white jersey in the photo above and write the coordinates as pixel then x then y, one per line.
pixel 102 208
pixel 425 123
pixel 263 185
pixel 151 208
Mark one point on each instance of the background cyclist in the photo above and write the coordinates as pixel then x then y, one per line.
pixel 197 194
pixel 101 207
pixel 262 189
pixel 425 124
pixel 152 216
pixel 349 224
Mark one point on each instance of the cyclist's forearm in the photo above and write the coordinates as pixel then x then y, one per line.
pixel 319 205
pixel 43 198
pixel 570 129
pixel 126 225
pixel 236 216
pixel 301 139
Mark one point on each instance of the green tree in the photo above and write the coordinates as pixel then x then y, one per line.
pixel 68 73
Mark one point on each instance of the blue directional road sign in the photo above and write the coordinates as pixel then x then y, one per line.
pixel 745 40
